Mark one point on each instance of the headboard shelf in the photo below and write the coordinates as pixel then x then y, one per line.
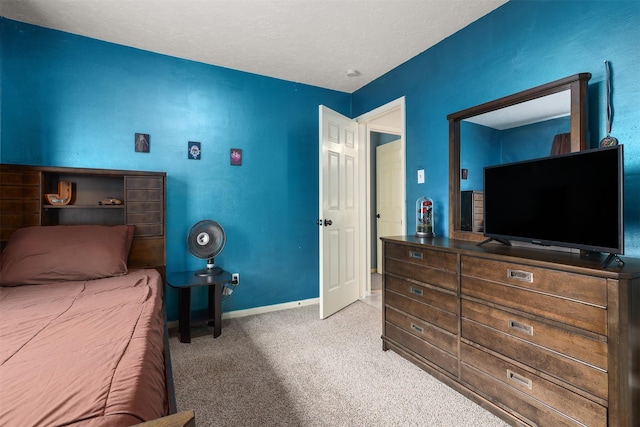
pixel 143 195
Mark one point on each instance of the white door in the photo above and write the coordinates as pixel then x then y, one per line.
pixel 339 230
pixel 389 193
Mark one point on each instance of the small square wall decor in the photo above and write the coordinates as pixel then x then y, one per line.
pixel 194 151
pixel 236 157
pixel 142 142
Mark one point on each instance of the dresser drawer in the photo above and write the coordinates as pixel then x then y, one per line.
pixel 422 348
pixel 441 318
pixel 588 350
pixel 145 218
pixel 144 182
pixel 13 192
pixel 423 330
pixel 20 206
pixel 570 312
pixel 443 278
pixel 577 287
pixel 14 221
pixel 143 230
pixel 444 300
pixel 527 394
pixel 10 177
pixel 145 195
pixel 562 367
pixel 141 207
pixel 422 256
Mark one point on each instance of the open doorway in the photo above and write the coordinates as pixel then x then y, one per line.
pixel 387 197
pixel 384 126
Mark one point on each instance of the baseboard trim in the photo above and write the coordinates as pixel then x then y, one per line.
pixel 260 310
pixel 270 308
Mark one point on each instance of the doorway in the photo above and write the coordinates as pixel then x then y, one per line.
pixel 377 127
pixel 387 206
pixel 388 119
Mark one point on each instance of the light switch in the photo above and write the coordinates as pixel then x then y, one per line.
pixel 420 176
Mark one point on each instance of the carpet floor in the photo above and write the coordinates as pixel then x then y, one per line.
pixel 288 368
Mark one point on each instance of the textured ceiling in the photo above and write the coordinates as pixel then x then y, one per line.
pixel 306 41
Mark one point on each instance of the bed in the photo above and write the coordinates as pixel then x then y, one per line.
pixel 82 335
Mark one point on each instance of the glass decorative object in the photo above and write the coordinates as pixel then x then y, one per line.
pixel 424 217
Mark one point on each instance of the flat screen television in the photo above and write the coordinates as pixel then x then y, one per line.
pixel 572 200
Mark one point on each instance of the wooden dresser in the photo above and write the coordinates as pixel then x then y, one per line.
pixel 23 204
pixel 537 337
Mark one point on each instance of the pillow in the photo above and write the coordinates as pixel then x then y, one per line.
pixel 48 254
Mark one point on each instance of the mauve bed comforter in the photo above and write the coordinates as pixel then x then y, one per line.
pixel 87 353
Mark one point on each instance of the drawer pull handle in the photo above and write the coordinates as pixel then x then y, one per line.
pixel 519 379
pixel 524 276
pixel 417 328
pixel 415 291
pixel 527 329
pixel 415 254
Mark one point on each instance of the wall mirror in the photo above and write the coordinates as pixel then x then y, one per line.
pixel 544 120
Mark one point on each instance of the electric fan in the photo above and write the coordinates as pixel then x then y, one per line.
pixel 206 240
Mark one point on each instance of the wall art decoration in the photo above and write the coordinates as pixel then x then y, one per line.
pixel 236 157
pixel 142 142
pixel 193 150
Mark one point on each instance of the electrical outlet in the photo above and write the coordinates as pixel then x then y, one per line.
pixel 235 278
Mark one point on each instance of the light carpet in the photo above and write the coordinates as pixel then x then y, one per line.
pixel 288 368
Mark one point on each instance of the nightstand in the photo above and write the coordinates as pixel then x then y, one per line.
pixel 184 281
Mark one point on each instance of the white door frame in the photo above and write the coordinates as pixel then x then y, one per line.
pixel 364 189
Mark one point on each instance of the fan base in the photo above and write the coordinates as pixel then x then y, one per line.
pixel 208 272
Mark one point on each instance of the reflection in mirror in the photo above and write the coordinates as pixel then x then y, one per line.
pixel 520 132
pixel 548 119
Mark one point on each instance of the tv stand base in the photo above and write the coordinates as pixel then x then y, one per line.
pixel 610 258
pixel 503 241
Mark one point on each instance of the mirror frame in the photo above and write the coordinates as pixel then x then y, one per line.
pixel 577 84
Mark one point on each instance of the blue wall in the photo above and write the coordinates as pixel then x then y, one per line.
pixel 73 101
pixel 482 146
pixel 520 45
pixel 531 141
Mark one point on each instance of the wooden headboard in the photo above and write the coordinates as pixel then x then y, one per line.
pixel 23 203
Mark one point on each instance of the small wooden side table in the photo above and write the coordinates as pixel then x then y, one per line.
pixel 184 281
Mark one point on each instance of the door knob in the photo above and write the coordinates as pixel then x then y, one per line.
pixel 327 222
pixel 378 216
